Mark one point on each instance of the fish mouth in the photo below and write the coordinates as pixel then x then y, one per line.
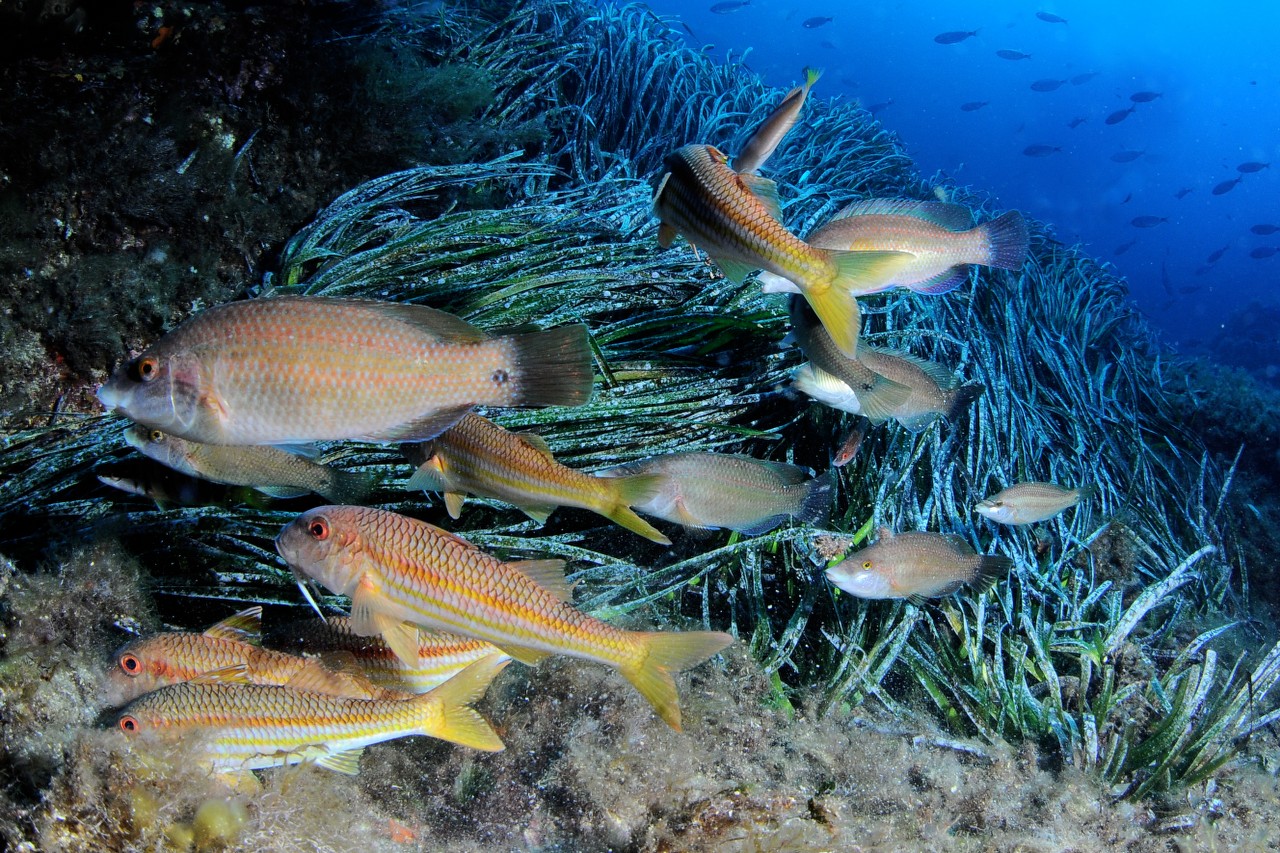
pixel 108 396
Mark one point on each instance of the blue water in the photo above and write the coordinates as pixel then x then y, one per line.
pixel 1216 67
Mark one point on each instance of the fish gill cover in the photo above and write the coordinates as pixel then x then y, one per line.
pixel 1061 652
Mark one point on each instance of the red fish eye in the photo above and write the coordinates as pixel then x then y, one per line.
pixel 129 724
pixel 319 528
pixel 130 664
pixel 148 368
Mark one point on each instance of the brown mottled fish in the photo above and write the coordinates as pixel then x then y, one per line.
pixel 476 456
pixel 916 566
pixel 773 130
pixel 297 369
pixel 736 219
pixel 1027 503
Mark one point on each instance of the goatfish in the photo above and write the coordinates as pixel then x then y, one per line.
pixel 400 573
pixel 736 219
pixel 728 490
pixel 296 369
pixel 773 130
pixel 250 726
pixel 270 470
pixel 939 240
pixel 476 456
pixel 1027 503
pixel 916 566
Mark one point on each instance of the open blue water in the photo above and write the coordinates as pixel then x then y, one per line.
pixel 1215 66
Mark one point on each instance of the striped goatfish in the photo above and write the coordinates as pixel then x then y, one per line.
pixel 773 130
pixel 916 565
pixel 249 726
pixel 476 456
pixel 401 572
pixel 296 369
pixel 271 470
pixel 1027 503
pixel 736 219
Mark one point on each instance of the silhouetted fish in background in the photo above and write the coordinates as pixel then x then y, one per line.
pixel 1040 150
pixel 1127 198
pixel 1081 79
pixel 971 106
pixel 1144 97
pixel 1226 186
pixel 1046 85
pixel 1076 122
pixel 1264 252
pixel 1050 18
pixel 1127 155
pixel 729 6
pixel 880 107
pixel 1147 221
pixel 1124 247
pixel 1251 166
pixel 1216 255
pixel 1182 193
pixel 814 23
pixel 955 36
pixel 1120 115
pixel 1013 55
pixel 1265 229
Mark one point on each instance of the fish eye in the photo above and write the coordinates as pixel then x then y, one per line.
pixel 319 529
pixel 155 436
pixel 130 664
pixel 866 564
pixel 145 369
pixel 129 723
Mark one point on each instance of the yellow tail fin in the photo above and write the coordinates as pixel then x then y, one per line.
pixel 458 721
pixel 635 489
pixel 839 315
pixel 668 652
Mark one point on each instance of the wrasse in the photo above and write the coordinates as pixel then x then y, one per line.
pixel 400 572
pixel 1027 503
pixel 774 129
pixel 298 369
pixel 476 456
pixel 728 490
pixel 270 470
pixel 250 726
pixel 736 219
pixel 916 566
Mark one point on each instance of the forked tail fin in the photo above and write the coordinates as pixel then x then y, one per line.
pixel 670 652
pixel 458 721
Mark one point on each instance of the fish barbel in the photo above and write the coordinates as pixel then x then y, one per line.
pixel 1027 503
pixel 400 572
pixel 271 470
pixel 774 129
pixel 296 369
pixel 249 726
pixel 915 565
pixel 736 219
pixel 476 456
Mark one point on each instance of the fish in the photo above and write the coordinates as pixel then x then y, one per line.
pixel 1119 115
pixel 296 369
pixel 937 240
pixel 1124 247
pixel 1144 97
pixel 1147 221
pixel 1027 503
pixel 1252 166
pixel 711 490
pixel 1227 186
pixel 774 129
pixel 916 566
pixel 270 470
pixel 849 447
pixel 1040 150
pixel 1076 122
pixel 973 106
pixel 1127 155
pixel 1128 198
pixel 814 23
pixel 1216 255
pixel 955 36
pixel 1265 229
pixel 476 456
pixel 1263 252
pixel 1046 85
pixel 877 108
pixel 251 726
pixel 735 219
pixel 1182 193
pixel 401 573
pixel 167 488
pixel 728 6
pixel 1050 18
pixel 1013 55
pixel 1081 79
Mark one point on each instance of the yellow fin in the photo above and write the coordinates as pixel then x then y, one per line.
pixel 548 574
pixel 538 512
pixel 636 489
pixel 242 627
pixel 461 723
pixel 840 316
pixel 537 442
pixel 368 621
pixel 668 652
pixel 453 503
pixel 866 272
pixel 524 654
pixel 428 477
pixel 346 762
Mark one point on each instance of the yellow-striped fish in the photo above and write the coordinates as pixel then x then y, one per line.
pixel 1027 503
pixel 401 572
pixel 774 129
pixel 476 456
pixel 249 726
pixel 736 219
pixel 298 369
pixel 270 470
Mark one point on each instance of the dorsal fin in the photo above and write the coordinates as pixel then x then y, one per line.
pixel 438 324
pixel 548 574
pixel 936 372
pixel 237 673
pixel 537 442
pixel 242 627
pixel 953 217
pixel 765 191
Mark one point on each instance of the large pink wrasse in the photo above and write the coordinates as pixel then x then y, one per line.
pixel 916 565
pixel 401 573
pixel 298 369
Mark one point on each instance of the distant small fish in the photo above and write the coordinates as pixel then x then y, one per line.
pixel 955 36
pixel 1119 115
pixel 1127 155
pixel 1144 97
pixel 849 447
pixel 1227 186
pixel 769 135
pixel 1147 221
pixel 1076 122
pixel 1046 85
pixel 1263 252
pixel 1182 193
pixel 1127 199
pixel 1265 229
pixel 1165 283
pixel 814 23
pixel 875 109
pixel 972 106
pixel 1124 247
pixel 1050 18
pixel 1027 503
pixel 916 566
pixel 1081 79
pixel 1216 255
pixel 1040 150
pixel 1252 166
pixel 1013 55
pixel 729 6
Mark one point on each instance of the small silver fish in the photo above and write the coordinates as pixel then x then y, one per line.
pixel 916 566
pixel 1027 503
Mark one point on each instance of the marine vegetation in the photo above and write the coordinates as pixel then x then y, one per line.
pixel 1119 643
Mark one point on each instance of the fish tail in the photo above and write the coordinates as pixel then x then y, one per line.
pixel 667 652
pixel 554 367
pixel 962 398
pixel 458 721
pixel 840 316
pixel 990 570
pixel 816 506
pixel 635 489
pixel 1085 492
pixel 811 76
pixel 1008 239
pixel 348 487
